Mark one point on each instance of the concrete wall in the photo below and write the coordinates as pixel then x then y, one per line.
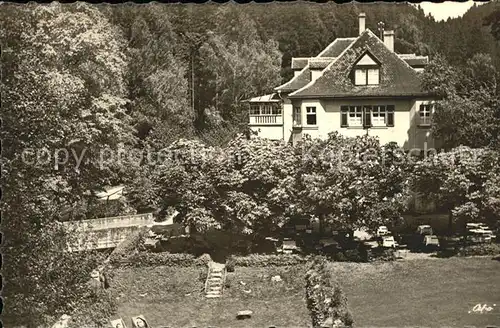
pixel 115 222
pixel 108 232
pixel 102 239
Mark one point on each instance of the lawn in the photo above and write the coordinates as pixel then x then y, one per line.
pixel 422 292
pixel 173 297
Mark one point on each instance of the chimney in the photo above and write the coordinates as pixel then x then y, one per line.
pixel 362 18
pixel 389 40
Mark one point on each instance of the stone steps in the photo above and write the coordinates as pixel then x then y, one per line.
pixel 214 284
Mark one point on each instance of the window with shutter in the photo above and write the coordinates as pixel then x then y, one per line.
pixel 355 117
pixel 390 115
pixel 367 122
pixel 367 116
pixel 344 111
pixel 379 115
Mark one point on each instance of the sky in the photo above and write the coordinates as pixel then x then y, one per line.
pixel 443 10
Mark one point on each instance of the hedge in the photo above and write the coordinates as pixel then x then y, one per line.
pixel 359 255
pixel 479 250
pixel 325 299
pixel 145 259
pixel 275 260
pixel 254 260
pixel 94 310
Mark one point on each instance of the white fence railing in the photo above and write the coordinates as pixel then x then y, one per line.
pixel 266 119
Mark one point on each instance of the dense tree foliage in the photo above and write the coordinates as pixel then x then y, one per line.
pixel 463 181
pixel 231 188
pixel 352 183
pixel 469 112
pixel 257 185
pixel 63 89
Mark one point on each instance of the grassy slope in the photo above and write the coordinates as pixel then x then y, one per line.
pixel 420 292
pixel 281 304
pixel 425 292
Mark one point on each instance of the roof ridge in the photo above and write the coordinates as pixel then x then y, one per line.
pixel 332 43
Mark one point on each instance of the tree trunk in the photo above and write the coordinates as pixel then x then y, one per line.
pixel 450 222
pixel 321 224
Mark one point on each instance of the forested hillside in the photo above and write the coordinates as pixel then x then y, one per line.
pixel 191 64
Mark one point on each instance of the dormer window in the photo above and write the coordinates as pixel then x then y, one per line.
pixel 366 71
pixel 366 76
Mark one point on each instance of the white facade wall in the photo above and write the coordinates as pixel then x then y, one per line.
pixel 273 132
pixel 287 118
pixel 329 119
pixel 406 131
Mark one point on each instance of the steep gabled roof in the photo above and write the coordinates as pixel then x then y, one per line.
pixel 299 62
pixel 415 61
pixel 320 62
pixel 397 78
pixel 273 97
pixel 336 47
pixel 304 77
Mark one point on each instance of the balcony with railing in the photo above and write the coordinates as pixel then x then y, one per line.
pixel 266 114
pixel 266 119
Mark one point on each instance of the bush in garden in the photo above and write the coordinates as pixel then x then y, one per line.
pixel 340 257
pixel 258 260
pixel 227 283
pixel 383 254
pixel 205 259
pixel 94 310
pixel 230 264
pixel 203 274
pixel 325 298
pixel 129 245
pixel 479 250
pixel 145 259
pixel 353 255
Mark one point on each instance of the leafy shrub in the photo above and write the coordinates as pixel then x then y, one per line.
pixel 383 254
pixel 131 244
pixel 94 310
pixel 353 255
pixel 258 260
pixel 479 250
pixel 340 257
pixel 205 259
pixel 203 274
pixel 325 298
pixel 230 264
pixel 227 283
